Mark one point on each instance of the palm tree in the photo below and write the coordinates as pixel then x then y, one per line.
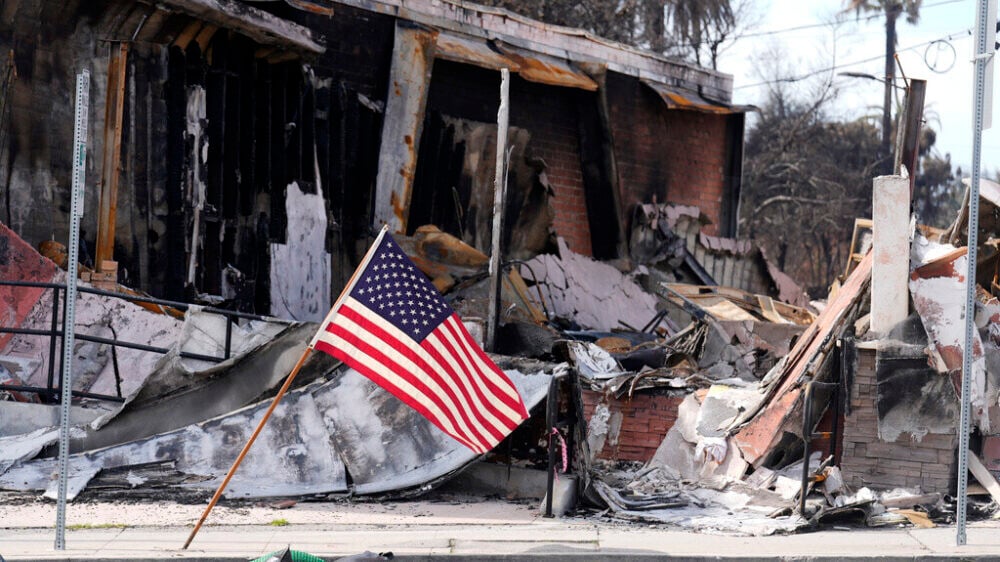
pixel 892 9
pixel 693 24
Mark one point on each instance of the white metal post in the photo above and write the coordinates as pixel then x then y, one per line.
pixel 66 384
pixel 982 103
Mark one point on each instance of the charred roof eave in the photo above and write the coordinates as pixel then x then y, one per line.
pixel 256 24
pixel 575 45
pixel 677 98
pixel 533 67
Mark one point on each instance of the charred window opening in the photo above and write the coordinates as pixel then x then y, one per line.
pixel 456 163
pixel 240 131
pixel 453 186
pixel 441 194
pixel 596 155
pixel 729 214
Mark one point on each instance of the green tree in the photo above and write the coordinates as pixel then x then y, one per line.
pixel 808 176
pixel 805 180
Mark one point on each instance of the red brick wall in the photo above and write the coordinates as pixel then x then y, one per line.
pixel 558 144
pixel 695 147
pixel 677 155
pixel 646 418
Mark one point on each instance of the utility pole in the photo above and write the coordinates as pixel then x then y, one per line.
pixel 892 11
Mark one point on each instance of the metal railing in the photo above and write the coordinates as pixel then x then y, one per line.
pixel 839 391
pixel 51 390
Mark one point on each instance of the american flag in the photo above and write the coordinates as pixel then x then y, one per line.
pixel 393 327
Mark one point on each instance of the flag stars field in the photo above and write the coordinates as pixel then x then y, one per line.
pixel 393 327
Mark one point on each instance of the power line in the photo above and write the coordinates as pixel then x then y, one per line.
pixel 697 44
pixel 815 25
pixel 951 37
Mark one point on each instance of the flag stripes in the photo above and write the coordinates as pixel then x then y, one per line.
pixel 447 378
pixel 453 356
pixel 354 322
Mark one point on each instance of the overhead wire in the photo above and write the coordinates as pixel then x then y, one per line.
pixel 815 25
pixel 792 79
pixel 809 26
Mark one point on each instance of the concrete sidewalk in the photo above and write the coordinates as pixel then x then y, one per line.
pixel 424 530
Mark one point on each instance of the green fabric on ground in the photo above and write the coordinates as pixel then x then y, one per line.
pixel 297 556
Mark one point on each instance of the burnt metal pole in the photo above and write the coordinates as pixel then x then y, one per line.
pixel 551 407
pixel 499 199
pixel 982 102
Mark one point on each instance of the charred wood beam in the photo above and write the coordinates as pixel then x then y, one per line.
pixel 409 84
pixel 908 139
pixel 574 44
pixel 176 98
pixel 256 24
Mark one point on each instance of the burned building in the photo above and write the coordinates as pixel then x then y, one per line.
pixel 243 151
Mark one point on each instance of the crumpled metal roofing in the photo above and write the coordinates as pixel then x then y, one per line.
pixel 677 98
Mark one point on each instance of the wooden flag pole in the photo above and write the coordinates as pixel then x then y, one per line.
pixel 246 448
pixel 282 391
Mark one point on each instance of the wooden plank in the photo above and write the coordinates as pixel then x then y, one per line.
pixel 409 83
pixel 757 438
pixel 261 26
pixel 519 291
pixel 114 108
pixel 728 264
pixel 984 476
pixel 188 35
pixel 205 35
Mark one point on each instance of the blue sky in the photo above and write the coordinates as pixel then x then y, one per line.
pixel 848 43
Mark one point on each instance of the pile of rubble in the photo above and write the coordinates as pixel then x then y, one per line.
pixel 675 397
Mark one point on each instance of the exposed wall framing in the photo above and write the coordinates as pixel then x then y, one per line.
pixel 230 162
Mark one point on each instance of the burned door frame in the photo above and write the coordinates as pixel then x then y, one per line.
pixel 433 162
pixel 608 239
pixel 409 84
